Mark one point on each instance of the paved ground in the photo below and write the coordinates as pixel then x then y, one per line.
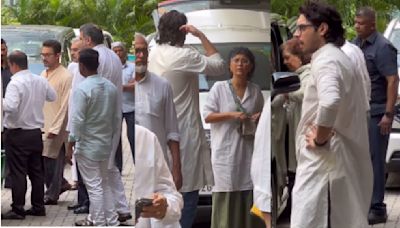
pixel 58 215
pixel 392 200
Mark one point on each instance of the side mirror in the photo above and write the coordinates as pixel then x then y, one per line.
pixel 284 82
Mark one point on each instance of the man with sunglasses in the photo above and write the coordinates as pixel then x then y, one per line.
pixel 334 175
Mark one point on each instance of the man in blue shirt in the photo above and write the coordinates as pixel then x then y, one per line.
pixel 380 57
pixel 128 98
pixel 93 125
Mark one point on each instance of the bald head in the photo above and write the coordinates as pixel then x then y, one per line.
pixel 17 60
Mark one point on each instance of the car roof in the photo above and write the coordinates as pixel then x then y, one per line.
pixel 58 31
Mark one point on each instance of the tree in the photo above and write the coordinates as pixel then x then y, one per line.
pixel 347 8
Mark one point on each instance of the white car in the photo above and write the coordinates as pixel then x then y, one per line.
pixel 392 33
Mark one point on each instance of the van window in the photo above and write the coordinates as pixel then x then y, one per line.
pixel 261 52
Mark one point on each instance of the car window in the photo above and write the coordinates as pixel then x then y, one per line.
pixel 261 52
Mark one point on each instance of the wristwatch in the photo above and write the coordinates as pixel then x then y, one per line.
pixel 389 114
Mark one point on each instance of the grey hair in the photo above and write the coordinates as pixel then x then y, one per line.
pixel 75 39
pixel 367 12
pixel 93 31
pixel 140 35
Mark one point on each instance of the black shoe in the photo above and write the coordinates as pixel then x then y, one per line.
pixel 124 217
pixel 34 212
pixel 377 216
pixel 82 210
pixel 73 206
pixel 48 201
pixel 12 215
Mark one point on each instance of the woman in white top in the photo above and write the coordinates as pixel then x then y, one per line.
pixel 233 108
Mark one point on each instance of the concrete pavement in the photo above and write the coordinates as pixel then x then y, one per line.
pixel 58 215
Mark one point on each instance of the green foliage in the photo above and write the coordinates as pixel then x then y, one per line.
pixel 347 8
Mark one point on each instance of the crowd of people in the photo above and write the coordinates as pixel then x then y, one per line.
pixel 74 115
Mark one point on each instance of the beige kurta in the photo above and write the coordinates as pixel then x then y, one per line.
pixel 55 113
pixel 334 180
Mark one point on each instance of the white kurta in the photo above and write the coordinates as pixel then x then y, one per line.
pixel 155 110
pixel 261 161
pixel 357 57
pixel 231 153
pixel 153 176
pixel 338 176
pixel 181 66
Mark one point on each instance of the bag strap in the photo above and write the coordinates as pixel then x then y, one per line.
pixel 236 99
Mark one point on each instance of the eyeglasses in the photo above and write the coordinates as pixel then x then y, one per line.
pixel 141 50
pixel 46 55
pixel 302 27
pixel 242 61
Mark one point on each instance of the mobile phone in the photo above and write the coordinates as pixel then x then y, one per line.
pixel 139 204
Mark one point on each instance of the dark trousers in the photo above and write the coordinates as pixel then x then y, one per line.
pixel 24 157
pixel 378 145
pixel 83 196
pixel 54 175
pixel 130 130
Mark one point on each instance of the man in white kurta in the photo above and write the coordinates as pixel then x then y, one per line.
pixel 261 164
pixel 152 176
pixel 155 109
pixel 181 67
pixel 333 184
pixel 110 67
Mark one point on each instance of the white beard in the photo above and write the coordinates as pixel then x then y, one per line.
pixel 140 69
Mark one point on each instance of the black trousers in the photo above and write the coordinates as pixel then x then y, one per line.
pixel 83 196
pixel 24 157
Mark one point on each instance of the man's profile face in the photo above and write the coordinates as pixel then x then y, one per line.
pixel 308 34
pixel 75 48
pixel 86 41
pixel 364 26
pixel 121 53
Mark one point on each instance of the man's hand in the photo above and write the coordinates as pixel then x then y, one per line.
pixel 70 150
pixel 129 87
pixel 312 135
pixel 51 136
pixel 386 125
pixel 177 176
pixel 158 209
pixel 191 29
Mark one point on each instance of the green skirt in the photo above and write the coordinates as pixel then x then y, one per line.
pixel 232 210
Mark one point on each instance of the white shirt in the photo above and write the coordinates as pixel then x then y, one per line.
pixel 261 161
pixel 155 110
pixel 77 78
pixel 181 66
pixel 128 98
pixel 357 58
pixel 24 100
pixel 230 152
pixel 153 176
pixel 110 67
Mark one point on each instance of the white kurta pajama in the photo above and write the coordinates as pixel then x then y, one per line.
pixel 153 176
pixel 181 67
pixel 336 177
